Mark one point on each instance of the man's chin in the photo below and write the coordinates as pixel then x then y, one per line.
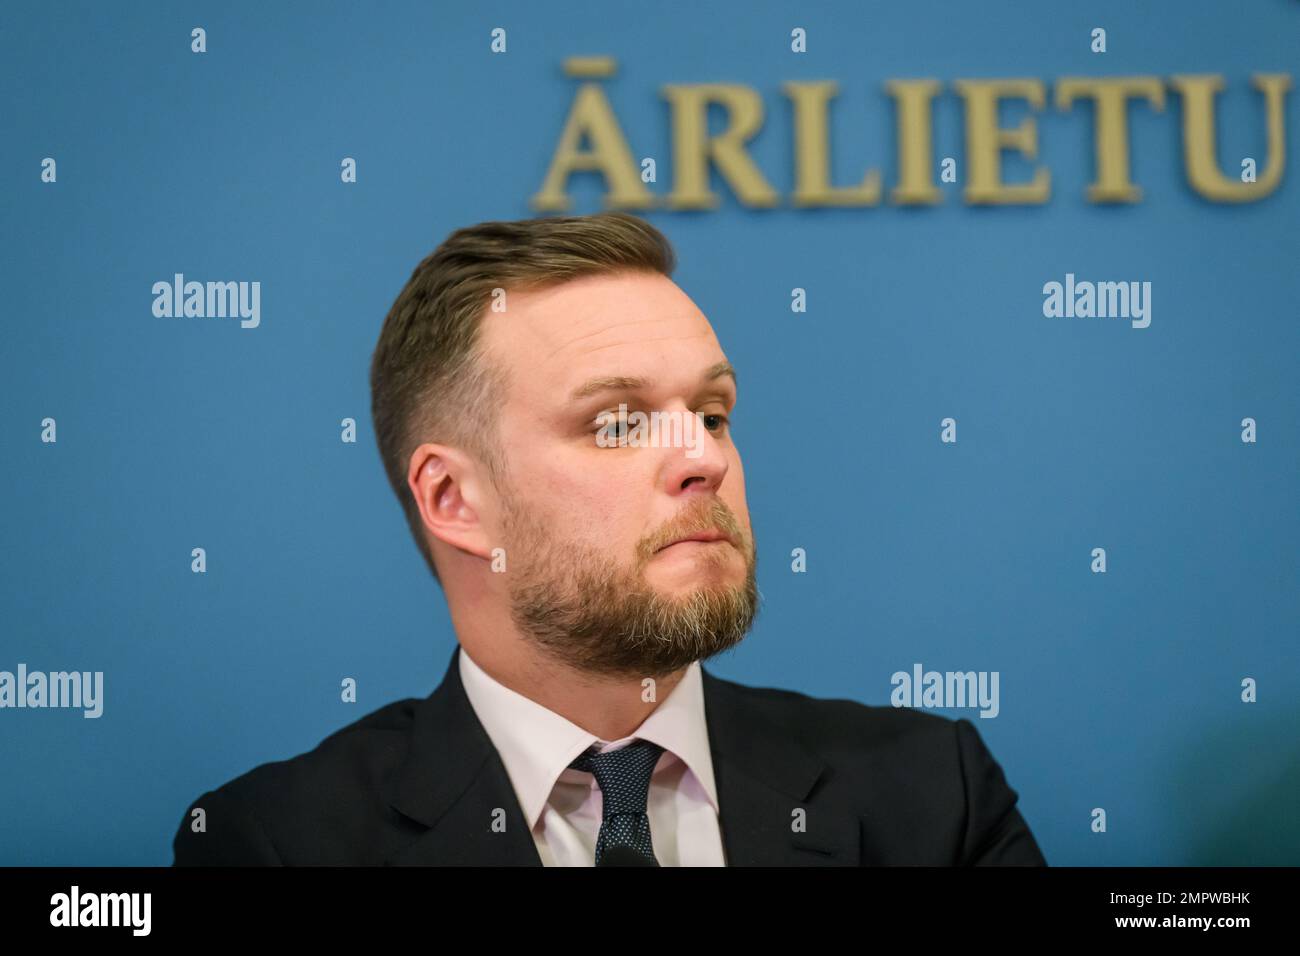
pixel 648 632
pixel 674 576
pixel 681 593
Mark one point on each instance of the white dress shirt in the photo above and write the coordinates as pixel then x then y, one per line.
pixel 562 806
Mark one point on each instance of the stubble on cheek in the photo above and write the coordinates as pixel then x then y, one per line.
pixel 579 591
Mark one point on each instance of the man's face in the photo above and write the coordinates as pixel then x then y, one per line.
pixel 597 570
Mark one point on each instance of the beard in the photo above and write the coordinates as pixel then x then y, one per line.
pixel 595 615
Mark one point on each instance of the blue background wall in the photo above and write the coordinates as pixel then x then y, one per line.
pixel 1118 690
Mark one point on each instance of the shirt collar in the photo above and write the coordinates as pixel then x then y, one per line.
pixel 537 745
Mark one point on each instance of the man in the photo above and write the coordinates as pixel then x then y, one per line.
pixel 590 565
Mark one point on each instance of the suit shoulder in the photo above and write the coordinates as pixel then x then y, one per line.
pixel 925 787
pixel 831 718
pixel 322 787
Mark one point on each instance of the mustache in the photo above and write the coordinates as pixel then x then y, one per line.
pixel 704 515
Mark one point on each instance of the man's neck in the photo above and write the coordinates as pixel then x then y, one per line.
pixel 610 708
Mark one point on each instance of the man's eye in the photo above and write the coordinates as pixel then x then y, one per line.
pixel 611 424
pixel 721 420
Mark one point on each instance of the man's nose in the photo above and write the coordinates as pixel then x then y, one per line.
pixel 700 462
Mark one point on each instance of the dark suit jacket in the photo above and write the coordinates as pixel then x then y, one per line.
pixel 416 782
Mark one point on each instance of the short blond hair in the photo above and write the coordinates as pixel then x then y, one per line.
pixel 429 380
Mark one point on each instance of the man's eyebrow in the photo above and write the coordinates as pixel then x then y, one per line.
pixel 610 383
pixel 628 383
pixel 717 371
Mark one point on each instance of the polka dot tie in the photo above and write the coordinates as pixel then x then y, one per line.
pixel 623 776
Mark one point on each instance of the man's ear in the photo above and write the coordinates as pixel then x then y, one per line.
pixel 444 482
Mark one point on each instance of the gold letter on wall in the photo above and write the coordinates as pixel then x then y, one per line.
pixel 1198 136
pixel 985 141
pixel 1110 98
pixel 812 162
pixel 693 148
pixel 912 100
pixel 592 115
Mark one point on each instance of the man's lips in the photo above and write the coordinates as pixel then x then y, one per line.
pixel 711 534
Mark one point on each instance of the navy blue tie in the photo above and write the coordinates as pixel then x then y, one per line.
pixel 623 776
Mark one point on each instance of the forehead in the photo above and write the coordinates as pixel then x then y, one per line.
pixel 634 324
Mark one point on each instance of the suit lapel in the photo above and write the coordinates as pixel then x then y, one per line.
pixel 454 784
pixel 764 774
